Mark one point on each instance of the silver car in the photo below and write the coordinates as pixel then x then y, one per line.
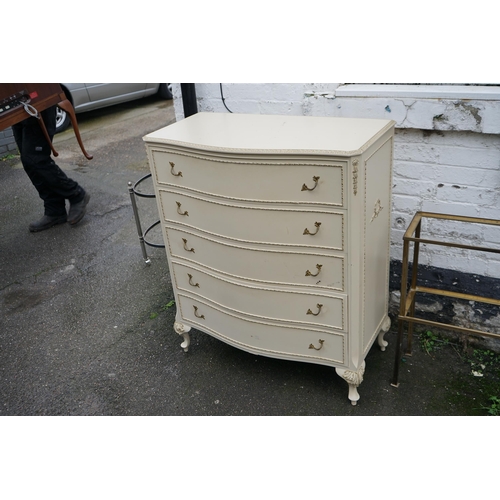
pixel 89 96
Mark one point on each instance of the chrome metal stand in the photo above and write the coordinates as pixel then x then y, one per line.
pixel 132 189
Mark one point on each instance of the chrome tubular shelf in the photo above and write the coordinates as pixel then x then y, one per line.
pixel 132 189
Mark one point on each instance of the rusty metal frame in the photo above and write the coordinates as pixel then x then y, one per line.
pixel 409 293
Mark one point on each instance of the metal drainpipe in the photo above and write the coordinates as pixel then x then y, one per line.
pixel 189 99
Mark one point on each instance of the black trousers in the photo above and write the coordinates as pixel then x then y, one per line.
pixel 53 185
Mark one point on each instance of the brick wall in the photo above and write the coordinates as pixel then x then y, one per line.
pixel 7 143
pixel 448 172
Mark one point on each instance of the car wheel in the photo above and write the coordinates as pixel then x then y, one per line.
pixel 165 90
pixel 62 120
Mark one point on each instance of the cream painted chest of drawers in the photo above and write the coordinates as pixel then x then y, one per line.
pixel 277 233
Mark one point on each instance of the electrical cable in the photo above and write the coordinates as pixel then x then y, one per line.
pixel 222 97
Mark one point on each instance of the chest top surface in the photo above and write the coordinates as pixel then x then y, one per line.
pixel 281 134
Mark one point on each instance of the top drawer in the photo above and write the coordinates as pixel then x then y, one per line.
pixel 279 181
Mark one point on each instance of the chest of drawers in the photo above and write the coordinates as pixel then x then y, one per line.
pixel 276 230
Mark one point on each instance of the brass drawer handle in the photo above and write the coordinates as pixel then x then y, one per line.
pixel 318 267
pixel 317 224
pixel 191 282
pixel 319 306
pixel 179 209
pixel 311 346
pixel 315 179
pixel 172 165
pixel 185 246
pixel 201 316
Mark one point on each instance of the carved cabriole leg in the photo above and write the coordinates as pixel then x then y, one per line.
pixel 386 325
pixel 354 379
pixel 183 330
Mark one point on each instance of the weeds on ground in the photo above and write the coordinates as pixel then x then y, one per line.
pixel 484 368
pixel 429 341
pixel 494 408
pixel 482 360
pixel 167 306
pixel 8 157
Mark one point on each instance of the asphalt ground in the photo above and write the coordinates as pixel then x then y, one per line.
pixel 85 327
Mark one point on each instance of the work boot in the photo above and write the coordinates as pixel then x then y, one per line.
pixel 46 222
pixel 77 210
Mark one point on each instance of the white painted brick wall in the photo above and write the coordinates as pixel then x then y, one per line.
pixel 448 172
pixel 254 98
pixel 449 164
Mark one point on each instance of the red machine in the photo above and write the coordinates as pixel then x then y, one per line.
pixel 18 101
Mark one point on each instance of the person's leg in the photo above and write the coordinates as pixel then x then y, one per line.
pixel 63 185
pixel 52 184
pixel 38 165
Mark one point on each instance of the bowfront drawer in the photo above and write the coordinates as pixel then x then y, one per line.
pixel 286 342
pixel 251 224
pixel 267 266
pixel 277 181
pixel 314 309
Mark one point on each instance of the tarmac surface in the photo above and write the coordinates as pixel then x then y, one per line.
pixel 85 328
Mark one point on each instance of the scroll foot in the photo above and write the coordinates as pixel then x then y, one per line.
pixel 386 325
pixel 353 379
pixel 183 330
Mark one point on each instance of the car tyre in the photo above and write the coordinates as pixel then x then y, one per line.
pixel 62 120
pixel 165 90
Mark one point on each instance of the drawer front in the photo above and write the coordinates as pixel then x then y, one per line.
pixel 267 266
pixel 271 182
pixel 286 342
pixel 312 309
pixel 251 224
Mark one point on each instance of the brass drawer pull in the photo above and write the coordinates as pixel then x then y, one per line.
pixel 315 179
pixel 179 209
pixel 172 165
pixel 318 267
pixel 317 224
pixel 201 316
pixel 191 283
pixel 185 246
pixel 319 306
pixel 311 346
